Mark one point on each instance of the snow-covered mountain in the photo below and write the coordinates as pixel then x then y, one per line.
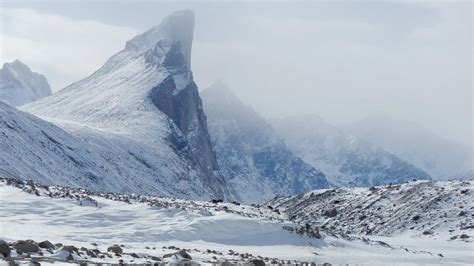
pixel 19 85
pixel 440 157
pixel 251 155
pixel 134 125
pixel 345 159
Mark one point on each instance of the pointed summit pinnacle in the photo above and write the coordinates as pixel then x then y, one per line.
pixel 176 27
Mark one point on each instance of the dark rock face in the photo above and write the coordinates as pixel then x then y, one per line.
pixel 4 249
pixel 26 246
pixel 190 137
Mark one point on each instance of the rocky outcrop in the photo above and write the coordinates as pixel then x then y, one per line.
pixel 190 136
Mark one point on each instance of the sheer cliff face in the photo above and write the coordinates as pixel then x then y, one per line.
pixel 190 135
pixel 145 100
pixel 19 85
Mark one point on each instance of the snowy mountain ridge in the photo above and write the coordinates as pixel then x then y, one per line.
pixel 19 85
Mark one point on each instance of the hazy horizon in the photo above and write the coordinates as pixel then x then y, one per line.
pixel 341 61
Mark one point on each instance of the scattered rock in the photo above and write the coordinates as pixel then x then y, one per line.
pixel 46 244
pixel 463 236
pixel 70 249
pixel 4 249
pixel 427 232
pixel 115 249
pixel 257 262
pixel 182 253
pixel 26 246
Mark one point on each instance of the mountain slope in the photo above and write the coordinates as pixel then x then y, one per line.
pixel 440 157
pixel 142 114
pixel 344 159
pixel 432 209
pixel 19 85
pixel 251 156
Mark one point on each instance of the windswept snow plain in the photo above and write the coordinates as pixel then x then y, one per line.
pixel 148 229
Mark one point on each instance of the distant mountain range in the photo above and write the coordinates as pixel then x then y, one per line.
pixel 440 157
pixel 346 160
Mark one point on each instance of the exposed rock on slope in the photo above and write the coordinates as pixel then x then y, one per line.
pixel 427 208
pixel 252 157
pixel 346 160
pixel 19 85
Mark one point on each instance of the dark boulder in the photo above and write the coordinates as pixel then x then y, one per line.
pixel 115 249
pixel 26 246
pixel 4 249
pixel 257 262
pixel 46 244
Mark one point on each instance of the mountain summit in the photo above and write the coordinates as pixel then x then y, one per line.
pixel 142 111
pixel 19 85
pixel 176 29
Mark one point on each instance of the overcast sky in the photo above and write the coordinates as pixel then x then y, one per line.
pixel 342 61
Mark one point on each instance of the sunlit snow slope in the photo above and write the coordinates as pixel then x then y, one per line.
pixel 137 124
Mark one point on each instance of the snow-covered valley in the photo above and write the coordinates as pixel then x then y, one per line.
pixel 131 166
pixel 147 229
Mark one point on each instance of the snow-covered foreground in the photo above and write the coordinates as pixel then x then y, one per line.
pixel 208 232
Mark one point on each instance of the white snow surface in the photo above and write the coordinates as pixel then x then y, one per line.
pixel 19 85
pixel 146 229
